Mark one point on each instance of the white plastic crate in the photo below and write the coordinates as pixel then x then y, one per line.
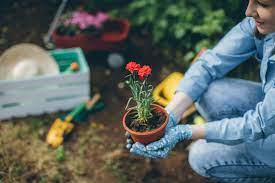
pixel 45 94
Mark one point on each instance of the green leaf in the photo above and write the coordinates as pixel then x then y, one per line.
pixel 173 10
pixel 179 33
pixel 185 25
pixel 189 55
pixel 60 154
pixel 163 23
pixel 130 99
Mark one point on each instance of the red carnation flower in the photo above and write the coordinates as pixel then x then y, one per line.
pixel 144 72
pixel 132 66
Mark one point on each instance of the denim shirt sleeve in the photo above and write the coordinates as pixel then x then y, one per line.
pixel 255 124
pixel 235 47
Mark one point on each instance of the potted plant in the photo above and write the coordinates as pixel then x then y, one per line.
pixel 145 121
pixel 90 31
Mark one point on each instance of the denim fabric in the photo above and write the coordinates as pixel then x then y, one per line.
pixel 245 162
pixel 239 44
pixel 228 163
pixel 229 98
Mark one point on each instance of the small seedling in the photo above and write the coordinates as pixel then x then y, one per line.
pixel 60 154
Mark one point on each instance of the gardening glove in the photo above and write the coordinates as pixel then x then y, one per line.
pixel 173 121
pixel 162 147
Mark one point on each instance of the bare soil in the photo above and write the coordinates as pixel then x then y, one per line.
pixel 152 123
pixel 95 150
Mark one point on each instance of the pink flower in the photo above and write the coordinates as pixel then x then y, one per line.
pixel 84 19
pixel 102 17
pixel 67 22
pixel 82 25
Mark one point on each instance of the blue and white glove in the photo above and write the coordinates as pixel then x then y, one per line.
pixel 161 148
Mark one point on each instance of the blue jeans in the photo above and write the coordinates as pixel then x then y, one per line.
pixel 246 162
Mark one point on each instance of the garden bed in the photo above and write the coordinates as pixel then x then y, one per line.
pixel 88 154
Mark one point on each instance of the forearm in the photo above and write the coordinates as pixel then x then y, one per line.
pixel 198 132
pixel 179 104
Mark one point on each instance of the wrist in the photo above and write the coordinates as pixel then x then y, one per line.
pixel 179 104
pixel 198 131
pixel 173 121
pixel 185 132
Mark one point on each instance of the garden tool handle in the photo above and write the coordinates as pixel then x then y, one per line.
pixel 53 25
pixel 75 112
pixel 82 107
pixel 90 103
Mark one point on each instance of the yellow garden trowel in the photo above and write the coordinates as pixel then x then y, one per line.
pixel 164 92
pixel 60 127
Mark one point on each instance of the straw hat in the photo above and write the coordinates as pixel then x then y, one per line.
pixel 26 60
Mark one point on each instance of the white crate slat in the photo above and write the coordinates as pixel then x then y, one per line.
pixel 39 92
pixel 44 94
pixel 40 81
pixel 41 108
pixel 36 91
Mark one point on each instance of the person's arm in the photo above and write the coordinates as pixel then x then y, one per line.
pixel 255 124
pixel 198 131
pixel 179 104
pixel 236 47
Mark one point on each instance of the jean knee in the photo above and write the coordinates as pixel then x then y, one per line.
pixel 228 97
pixel 208 103
pixel 214 104
pixel 198 156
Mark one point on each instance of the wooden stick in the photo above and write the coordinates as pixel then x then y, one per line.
pixel 90 103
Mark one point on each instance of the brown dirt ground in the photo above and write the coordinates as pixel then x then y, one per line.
pixel 94 152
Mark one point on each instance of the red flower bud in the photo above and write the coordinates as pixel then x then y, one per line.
pixel 132 66
pixel 144 72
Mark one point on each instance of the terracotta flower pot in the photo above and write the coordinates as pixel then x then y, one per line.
pixel 147 136
pixel 110 39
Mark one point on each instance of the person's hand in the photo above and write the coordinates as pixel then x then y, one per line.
pixel 162 147
pixel 129 141
pixel 171 123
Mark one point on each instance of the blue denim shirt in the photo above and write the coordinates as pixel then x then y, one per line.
pixel 239 44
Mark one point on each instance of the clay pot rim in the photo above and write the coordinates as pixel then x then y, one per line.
pixel 146 133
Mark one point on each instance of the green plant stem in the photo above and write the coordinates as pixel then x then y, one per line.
pixel 142 95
